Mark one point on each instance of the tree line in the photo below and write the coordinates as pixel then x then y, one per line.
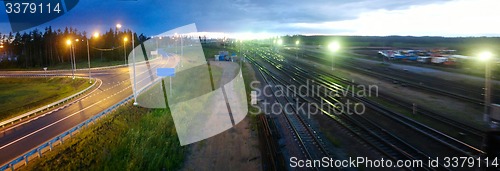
pixel 49 47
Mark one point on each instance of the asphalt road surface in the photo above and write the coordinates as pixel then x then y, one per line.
pixel 22 137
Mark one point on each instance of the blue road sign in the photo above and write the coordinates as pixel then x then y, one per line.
pixel 165 72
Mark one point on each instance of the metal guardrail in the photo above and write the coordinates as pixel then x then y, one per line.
pixel 59 139
pixel 81 69
pixel 38 151
pixel 44 108
pixel 66 70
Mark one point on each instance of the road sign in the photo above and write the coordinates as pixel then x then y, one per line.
pixel 154 52
pixel 165 72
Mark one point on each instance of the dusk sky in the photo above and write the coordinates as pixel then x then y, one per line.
pixel 281 17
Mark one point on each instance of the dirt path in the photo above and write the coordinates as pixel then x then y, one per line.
pixel 234 149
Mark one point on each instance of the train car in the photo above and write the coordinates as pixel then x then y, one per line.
pixel 438 60
pixel 412 57
pixel 424 59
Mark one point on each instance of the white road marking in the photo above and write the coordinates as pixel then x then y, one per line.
pixel 45 127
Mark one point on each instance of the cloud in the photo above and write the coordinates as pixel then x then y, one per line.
pixel 280 16
pixel 455 18
pixel 346 17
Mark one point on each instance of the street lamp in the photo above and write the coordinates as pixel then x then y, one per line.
pixel 279 42
pixel 297 51
pixel 70 45
pixel 96 35
pixel 175 40
pixel 133 64
pixel 74 54
pixel 333 47
pixel 157 46
pixel 486 56
pixel 125 39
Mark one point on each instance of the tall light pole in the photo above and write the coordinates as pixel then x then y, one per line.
pixel 241 54
pixel 333 47
pixel 68 42
pixel 125 39
pixel 485 56
pixel 133 64
pixel 157 46
pixel 74 53
pixel 175 40
pixel 96 35
pixel 297 51
pixel 280 42
pixel 182 45
pixel 1 46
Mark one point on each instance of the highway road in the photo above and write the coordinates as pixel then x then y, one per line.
pixel 20 138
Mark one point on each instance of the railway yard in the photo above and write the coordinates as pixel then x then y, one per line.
pixel 403 115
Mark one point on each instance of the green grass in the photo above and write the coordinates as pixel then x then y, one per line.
pixel 19 95
pixel 84 64
pixel 248 78
pixel 130 138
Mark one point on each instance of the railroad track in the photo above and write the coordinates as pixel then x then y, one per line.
pixel 451 142
pixel 309 141
pixel 458 145
pixel 464 148
pixel 458 89
pixel 465 129
pixel 383 141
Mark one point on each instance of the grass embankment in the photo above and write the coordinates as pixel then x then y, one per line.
pixel 20 95
pixel 130 138
pixel 84 64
